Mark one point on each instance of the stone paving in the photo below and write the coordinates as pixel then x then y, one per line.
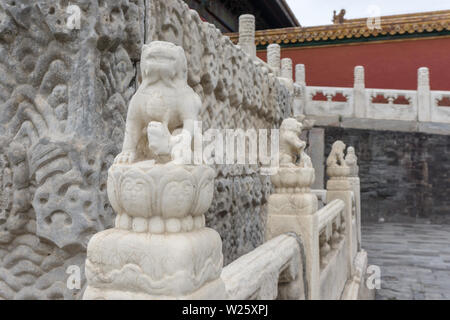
pixel 414 259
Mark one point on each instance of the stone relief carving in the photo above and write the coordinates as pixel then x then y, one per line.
pixel 63 98
pixel 64 95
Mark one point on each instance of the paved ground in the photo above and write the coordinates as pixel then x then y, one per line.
pixel 414 259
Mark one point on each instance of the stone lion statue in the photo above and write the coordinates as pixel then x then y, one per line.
pixel 161 115
pixel 336 157
pixel 352 161
pixel 292 147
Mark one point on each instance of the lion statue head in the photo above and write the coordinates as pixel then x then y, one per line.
pixel 163 61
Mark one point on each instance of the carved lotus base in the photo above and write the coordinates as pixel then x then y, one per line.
pixel 158 225
pixel 122 264
pixel 293 179
pixel 338 171
pixel 174 194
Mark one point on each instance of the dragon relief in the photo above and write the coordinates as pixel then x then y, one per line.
pixel 60 95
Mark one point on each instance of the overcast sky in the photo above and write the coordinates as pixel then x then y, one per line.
pixel 320 12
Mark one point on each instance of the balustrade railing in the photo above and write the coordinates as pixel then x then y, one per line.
pixel 273 270
pixel 421 105
pixel 331 229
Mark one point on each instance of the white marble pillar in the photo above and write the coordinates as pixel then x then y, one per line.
pixel 423 95
pixel 299 102
pixel 286 69
pixel 274 58
pixel 359 94
pixel 317 151
pixel 300 74
pixel 247 34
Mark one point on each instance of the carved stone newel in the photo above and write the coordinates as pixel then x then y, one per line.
pixel 343 184
pixel 292 207
pixel 160 247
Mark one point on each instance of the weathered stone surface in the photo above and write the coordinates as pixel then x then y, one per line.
pixel 63 98
pixel 64 95
pixel 404 176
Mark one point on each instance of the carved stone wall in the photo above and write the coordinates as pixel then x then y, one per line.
pixel 236 93
pixel 64 94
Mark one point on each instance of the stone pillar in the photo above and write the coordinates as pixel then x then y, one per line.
pixel 340 187
pixel 359 94
pixel 352 162
pixel 293 208
pixel 423 95
pixel 247 34
pixel 317 151
pixel 286 76
pixel 300 75
pixel 299 103
pixel 286 69
pixel 273 58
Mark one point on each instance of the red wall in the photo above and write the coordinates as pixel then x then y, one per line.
pixel 391 64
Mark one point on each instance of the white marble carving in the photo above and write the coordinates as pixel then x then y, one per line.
pixel 274 58
pixel 271 271
pixel 247 34
pixel 292 207
pixel 160 247
pixel 336 164
pixel 342 186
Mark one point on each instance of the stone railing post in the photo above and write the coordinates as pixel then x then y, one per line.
pixel 359 93
pixel 352 162
pixel 299 104
pixel 159 247
pixel 316 151
pixel 286 69
pixel 423 95
pixel 293 207
pixel 339 186
pixel 273 58
pixel 286 75
pixel 300 75
pixel 247 34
